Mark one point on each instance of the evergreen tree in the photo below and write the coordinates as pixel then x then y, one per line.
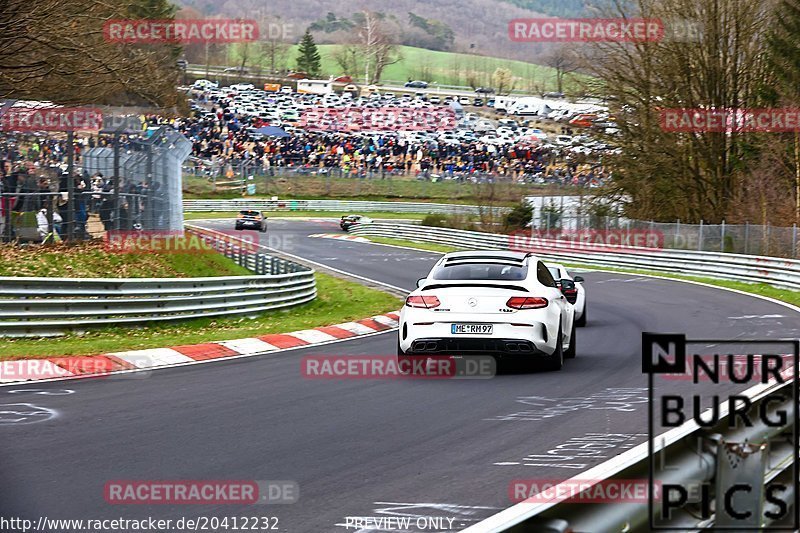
pixel 308 58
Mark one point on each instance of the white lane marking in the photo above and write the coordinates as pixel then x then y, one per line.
pixel 332 269
pixel 43 392
pixel 507 463
pixel 248 346
pixel 750 317
pixel 152 357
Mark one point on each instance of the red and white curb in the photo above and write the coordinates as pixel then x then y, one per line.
pixel 341 237
pixel 119 362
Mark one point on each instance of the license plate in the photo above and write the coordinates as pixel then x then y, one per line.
pixel 471 329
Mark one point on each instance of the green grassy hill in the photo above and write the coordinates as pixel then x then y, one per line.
pixel 450 68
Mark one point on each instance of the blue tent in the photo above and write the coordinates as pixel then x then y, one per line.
pixel 272 131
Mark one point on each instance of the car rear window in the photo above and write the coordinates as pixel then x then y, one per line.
pixel 494 271
pixel 250 213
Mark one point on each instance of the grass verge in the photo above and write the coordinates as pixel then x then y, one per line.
pixel 429 246
pixel 337 301
pixel 298 187
pixel 93 260
pixel 197 215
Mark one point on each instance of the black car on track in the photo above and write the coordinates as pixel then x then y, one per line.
pixel 250 219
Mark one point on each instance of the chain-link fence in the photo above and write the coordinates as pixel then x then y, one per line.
pixel 125 180
pixel 148 168
pixel 750 239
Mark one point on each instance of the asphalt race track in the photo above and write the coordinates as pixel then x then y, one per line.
pixel 357 448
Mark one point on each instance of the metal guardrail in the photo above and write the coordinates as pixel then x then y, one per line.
pixel 52 306
pixel 775 455
pixel 335 205
pixel 779 272
pixel 769 447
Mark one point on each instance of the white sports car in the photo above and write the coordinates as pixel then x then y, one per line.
pixel 573 289
pixel 504 304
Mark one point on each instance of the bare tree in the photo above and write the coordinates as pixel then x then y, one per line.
pixel 503 80
pixel 689 176
pixel 348 57
pixel 564 60
pixel 378 47
pixel 274 48
pixel 56 50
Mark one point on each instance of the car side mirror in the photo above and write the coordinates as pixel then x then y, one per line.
pixel 421 282
pixel 578 279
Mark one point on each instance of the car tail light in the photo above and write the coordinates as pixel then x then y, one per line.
pixel 240 215
pixel 426 302
pixel 571 295
pixel 527 302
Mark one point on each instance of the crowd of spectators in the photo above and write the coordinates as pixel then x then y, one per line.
pixel 34 179
pixel 226 140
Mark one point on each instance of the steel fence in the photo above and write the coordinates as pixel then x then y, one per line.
pixel 150 160
pixel 778 272
pixel 677 460
pixel 52 306
pixel 748 239
pixel 336 206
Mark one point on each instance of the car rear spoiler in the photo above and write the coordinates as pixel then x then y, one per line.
pixel 487 285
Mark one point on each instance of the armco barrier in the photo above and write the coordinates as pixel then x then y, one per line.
pixel 688 467
pixel 343 206
pixel 50 306
pixel 784 273
pixel 709 466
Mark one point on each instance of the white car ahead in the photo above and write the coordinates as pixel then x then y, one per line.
pixel 573 289
pixel 503 304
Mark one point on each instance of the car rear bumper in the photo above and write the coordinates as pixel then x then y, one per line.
pixel 467 346
pixel 249 224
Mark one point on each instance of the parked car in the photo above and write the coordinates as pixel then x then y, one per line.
pixel 251 219
pixel 477 102
pixel 344 79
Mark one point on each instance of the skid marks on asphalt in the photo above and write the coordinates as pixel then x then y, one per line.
pixel 580 453
pixel 618 399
